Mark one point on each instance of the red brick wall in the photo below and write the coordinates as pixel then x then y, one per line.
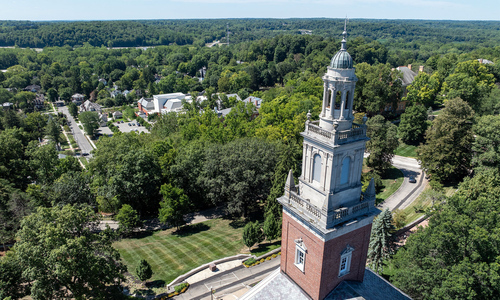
pixel 322 261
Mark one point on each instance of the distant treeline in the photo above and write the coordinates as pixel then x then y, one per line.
pixel 183 32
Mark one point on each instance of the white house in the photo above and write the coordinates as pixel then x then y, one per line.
pixel 161 104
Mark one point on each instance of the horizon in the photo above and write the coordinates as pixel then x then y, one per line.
pixel 128 10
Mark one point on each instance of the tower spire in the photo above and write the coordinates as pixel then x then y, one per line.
pixel 344 34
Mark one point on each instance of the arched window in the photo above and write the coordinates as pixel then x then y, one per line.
pixel 344 174
pixel 338 99
pixel 346 100
pixel 317 168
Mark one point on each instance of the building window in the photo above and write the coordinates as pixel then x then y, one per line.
pixel 345 261
pixel 300 254
pixel 347 100
pixel 317 168
pixel 344 174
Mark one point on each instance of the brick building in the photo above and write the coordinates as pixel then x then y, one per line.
pixel 327 219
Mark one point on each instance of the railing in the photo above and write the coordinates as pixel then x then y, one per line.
pixel 346 135
pixel 346 213
pixel 320 131
pixel 311 208
pixel 339 137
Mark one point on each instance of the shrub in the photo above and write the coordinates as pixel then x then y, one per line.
pixel 249 261
pixel 181 287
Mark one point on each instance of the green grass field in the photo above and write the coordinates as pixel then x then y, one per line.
pixel 171 254
pixel 406 150
pixel 391 181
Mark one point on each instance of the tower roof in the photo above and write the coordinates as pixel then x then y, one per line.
pixel 342 59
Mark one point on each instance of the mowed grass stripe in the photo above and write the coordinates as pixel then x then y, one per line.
pixel 171 255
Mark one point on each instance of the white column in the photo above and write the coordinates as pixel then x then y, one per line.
pixel 325 99
pixel 351 101
pixel 332 101
pixel 342 104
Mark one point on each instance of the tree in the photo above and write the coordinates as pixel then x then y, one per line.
pixel 43 162
pixel 252 234
pixel 53 130
pixel 128 218
pixel 471 81
pixel 62 256
pixel 174 206
pixel 73 109
pixel 377 86
pixel 72 188
pixel 12 283
pixel 446 155
pixel 413 124
pixel 423 90
pixel 383 141
pixel 272 227
pixel 486 145
pixel 381 241
pixel 90 121
pixel 143 270
pixel 456 256
pixel 238 173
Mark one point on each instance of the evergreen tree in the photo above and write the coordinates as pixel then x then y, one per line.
pixel 272 227
pixel 143 270
pixel 252 234
pixel 289 159
pixel 381 240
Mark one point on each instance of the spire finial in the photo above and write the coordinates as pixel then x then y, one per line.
pixel 344 34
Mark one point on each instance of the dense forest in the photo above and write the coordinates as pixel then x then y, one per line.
pixel 183 164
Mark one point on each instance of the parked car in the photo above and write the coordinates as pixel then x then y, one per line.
pixel 412 179
pixel 85 154
pixel 129 124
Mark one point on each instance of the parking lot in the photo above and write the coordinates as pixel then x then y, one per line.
pixel 124 127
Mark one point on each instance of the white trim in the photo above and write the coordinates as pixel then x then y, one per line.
pixel 300 254
pixel 345 261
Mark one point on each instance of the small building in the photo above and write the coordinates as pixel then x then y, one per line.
pixel 59 103
pixel 7 105
pixel 103 119
pixel 255 100
pixel 146 105
pixel 90 106
pixel 34 88
pixel 104 81
pixel 114 93
pixel 39 101
pixel 117 115
pixel 77 98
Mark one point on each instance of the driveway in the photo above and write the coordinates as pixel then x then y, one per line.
pixel 408 191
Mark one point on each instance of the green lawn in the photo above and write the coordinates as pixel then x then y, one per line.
pixel 391 181
pixel 406 150
pixel 171 254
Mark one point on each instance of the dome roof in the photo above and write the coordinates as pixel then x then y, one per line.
pixel 341 60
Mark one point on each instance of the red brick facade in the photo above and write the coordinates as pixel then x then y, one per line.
pixel 322 261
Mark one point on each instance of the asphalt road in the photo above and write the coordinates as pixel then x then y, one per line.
pixel 80 139
pixel 408 191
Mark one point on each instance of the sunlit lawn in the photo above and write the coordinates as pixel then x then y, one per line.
pixel 171 254
pixel 406 150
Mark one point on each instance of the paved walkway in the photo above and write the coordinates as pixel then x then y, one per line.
pixel 154 224
pixel 230 283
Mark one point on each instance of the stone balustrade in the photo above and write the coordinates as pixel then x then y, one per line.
pixel 338 137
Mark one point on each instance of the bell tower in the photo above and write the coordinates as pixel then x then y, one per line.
pixel 326 218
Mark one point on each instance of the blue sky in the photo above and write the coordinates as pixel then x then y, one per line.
pixel 209 9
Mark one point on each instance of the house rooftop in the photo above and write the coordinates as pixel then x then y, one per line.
pixel 408 75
